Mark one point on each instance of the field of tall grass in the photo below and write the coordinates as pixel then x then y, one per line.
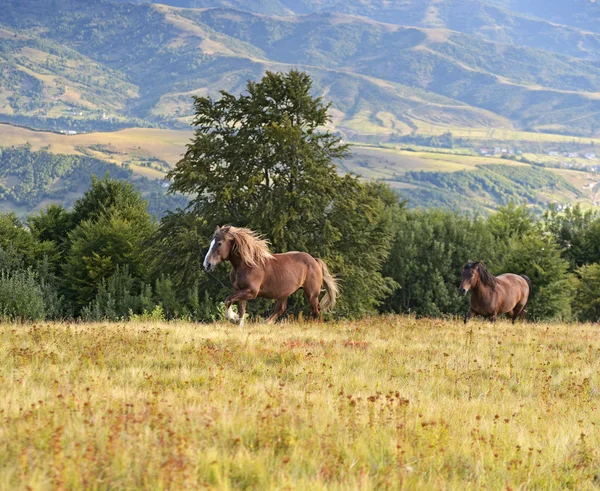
pixel 390 402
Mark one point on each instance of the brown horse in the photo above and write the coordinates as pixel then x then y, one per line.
pixel 492 296
pixel 258 273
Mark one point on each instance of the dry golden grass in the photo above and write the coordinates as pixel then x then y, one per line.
pixel 382 403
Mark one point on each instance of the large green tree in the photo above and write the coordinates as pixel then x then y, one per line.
pixel 264 160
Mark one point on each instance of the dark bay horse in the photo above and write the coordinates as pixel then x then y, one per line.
pixel 492 296
pixel 258 273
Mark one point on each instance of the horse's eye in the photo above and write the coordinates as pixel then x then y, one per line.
pixel 219 244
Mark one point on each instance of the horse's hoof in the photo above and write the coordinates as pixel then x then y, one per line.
pixel 231 316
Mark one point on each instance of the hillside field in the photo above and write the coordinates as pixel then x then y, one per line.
pixel 387 402
pixel 150 153
pixel 128 145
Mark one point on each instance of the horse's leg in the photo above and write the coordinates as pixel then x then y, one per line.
pixel 230 315
pixel 313 300
pixel 239 296
pixel 468 315
pixel 241 312
pixel 279 309
pixel 519 311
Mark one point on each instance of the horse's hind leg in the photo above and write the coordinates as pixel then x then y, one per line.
pixel 279 309
pixel 313 299
pixel 519 311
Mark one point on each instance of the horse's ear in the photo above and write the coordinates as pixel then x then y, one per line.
pixel 218 228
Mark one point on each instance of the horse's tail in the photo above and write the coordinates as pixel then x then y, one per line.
pixel 331 286
pixel 526 278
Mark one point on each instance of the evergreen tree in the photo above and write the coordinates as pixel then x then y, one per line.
pixel 107 195
pixel 112 227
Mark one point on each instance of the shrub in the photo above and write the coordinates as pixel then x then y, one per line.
pixel 21 296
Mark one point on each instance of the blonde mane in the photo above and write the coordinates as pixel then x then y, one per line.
pixel 252 248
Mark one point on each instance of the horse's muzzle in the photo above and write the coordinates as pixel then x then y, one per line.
pixel 462 291
pixel 208 268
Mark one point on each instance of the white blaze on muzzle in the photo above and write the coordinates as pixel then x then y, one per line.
pixel 210 249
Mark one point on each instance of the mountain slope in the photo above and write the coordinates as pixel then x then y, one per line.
pixel 561 26
pixel 144 62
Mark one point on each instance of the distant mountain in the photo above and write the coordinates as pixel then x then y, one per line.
pixel 562 26
pixel 390 68
pixel 584 14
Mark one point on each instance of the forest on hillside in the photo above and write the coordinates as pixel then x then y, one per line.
pixel 29 179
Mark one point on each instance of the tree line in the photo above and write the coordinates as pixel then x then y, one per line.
pixel 263 160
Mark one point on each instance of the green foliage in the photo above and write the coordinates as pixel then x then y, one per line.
pixel 112 226
pixel 429 251
pixel 512 221
pixel 106 195
pixel 21 296
pixel 10 259
pixel 176 253
pixel 177 249
pixel 167 297
pixel 14 237
pixel 364 222
pixel 539 257
pixel 261 161
pixel 577 232
pixel 116 298
pixel 586 304
pixel 98 248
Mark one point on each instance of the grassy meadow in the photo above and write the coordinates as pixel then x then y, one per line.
pixel 388 402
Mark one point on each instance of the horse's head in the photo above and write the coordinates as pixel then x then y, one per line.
pixel 469 277
pixel 219 249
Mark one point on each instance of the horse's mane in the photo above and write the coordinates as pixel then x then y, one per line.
pixel 485 276
pixel 252 248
